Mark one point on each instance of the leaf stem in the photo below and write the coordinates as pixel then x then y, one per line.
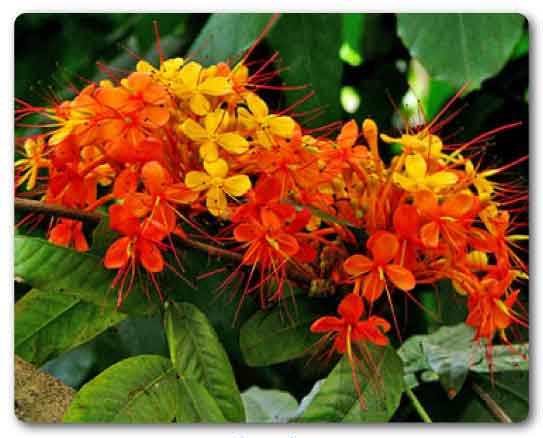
pixel 418 406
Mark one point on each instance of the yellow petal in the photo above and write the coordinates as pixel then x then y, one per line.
pixel 213 120
pixel 190 74
pixel 405 183
pixel 233 143
pixel 257 106
pixel 389 140
pixel 194 131
pixel 282 126
pixel 199 105
pixel 246 119
pixel 237 185
pixel 217 168
pixel 415 166
pixel 218 86
pixel 441 179
pixel 144 67
pixel 264 139
pixel 216 201
pixel 209 151
pixel 197 181
pixel 171 66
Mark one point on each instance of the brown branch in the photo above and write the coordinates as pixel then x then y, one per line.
pixel 95 217
pixel 38 207
pixel 492 406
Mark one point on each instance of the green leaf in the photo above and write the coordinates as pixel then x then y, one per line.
pixel 141 389
pixel 102 237
pixel 309 45
pixel 288 324
pixel 49 323
pixel 450 353
pixel 510 391
pixel 197 354
pixel 352 31
pixel 381 387
pixel 268 405
pixel 221 305
pixel 195 404
pixel 470 47
pixel 57 269
pixel 225 37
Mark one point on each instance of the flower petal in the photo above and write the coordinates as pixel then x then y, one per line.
pixel 197 181
pixel 351 308
pixel 233 143
pixel 357 265
pixel 237 185
pixel 327 324
pixel 415 166
pixel 117 254
pixel 401 278
pixel 383 246
pixel 217 168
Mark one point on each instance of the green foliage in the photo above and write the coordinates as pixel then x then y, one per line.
pixel 225 37
pixel 268 405
pixel 49 323
pixel 381 385
pixel 289 323
pixel 302 50
pixel 449 354
pixel 470 47
pixel 198 355
pixel 142 389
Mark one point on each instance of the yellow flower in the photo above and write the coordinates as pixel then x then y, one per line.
pixel 34 161
pixel 210 139
pixel 422 142
pixel 195 84
pixel 417 177
pixel 266 125
pixel 484 187
pixel 217 185
pixel 167 73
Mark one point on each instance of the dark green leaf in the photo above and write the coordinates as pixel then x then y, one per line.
pixel 470 47
pixel 510 391
pixel 268 405
pixel 198 355
pixel 49 323
pixel 221 305
pixel 309 47
pixel 225 37
pixel 57 269
pixel 381 387
pixel 195 404
pixel 289 324
pixel 142 389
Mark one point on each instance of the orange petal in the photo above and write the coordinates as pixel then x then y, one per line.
pixel 351 308
pixel 327 324
pixel 61 234
pixel 246 233
pixel 373 287
pixel 357 265
pixel 406 220
pixel 427 203
pixel 383 246
pixel 150 256
pixel 348 135
pixel 155 177
pixel 429 234
pixel 126 182
pixel 401 278
pixel 117 254
pixel 458 205
pixel 287 244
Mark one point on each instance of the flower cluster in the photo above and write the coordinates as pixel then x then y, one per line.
pixel 167 147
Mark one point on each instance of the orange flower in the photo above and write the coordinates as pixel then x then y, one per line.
pixel 349 328
pixel 372 273
pixel 68 232
pixel 450 219
pixel 488 311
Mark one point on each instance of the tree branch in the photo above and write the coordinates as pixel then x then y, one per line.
pixel 492 406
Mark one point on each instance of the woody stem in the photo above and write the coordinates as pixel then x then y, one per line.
pixel 418 406
pixel 94 217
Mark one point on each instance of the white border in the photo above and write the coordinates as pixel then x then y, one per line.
pixel 533 10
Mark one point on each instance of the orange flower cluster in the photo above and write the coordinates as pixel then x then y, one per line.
pixel 169 145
